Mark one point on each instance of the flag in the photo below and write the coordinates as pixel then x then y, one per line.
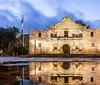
pixel 22 22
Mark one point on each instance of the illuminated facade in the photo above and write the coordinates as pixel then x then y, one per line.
pixel 64 37
pixel 65 73
pixel 70 38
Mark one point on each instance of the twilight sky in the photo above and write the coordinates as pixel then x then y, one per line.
pixel 38 14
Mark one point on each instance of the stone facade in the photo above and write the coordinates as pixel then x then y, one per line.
pixel 65 73
pixel 64 37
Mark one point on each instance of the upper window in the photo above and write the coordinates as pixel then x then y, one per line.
pixel 39 45
pixel 53 35
pixel 80 35
pixel 92 34
pixel 39 35
pixel 93 68
pixel 93 44
pixel 39 68
pixel 73 35
pixel 65 33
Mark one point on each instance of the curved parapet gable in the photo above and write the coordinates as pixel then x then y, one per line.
pixel 66 24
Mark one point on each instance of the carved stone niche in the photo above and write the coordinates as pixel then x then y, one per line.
pixel 77 64
pixel 55 66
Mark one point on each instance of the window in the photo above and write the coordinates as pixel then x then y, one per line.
pixel 39 35
pixel 39 68
pixel 92 79
pixel 93 44
pixel 73 35
pixel 65 79
pixel 93 68
pixel 53 78
pixel 77 35
pixel 53 35
pixel 40 79
pixel 92 34
pixel 65 33
pixel 80 35
pixel 39 45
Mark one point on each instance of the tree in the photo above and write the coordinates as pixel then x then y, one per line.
pixel 82 23
pixel 8 37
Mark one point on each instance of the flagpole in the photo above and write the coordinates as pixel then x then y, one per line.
pixel 22 34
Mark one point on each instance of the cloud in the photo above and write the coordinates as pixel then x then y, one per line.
pixel 47 8
pixel 15 7
pixel 87 7
pixel 38 14
pixel 40 21
pixel 8 17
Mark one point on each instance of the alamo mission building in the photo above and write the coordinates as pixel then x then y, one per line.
pixel 65 37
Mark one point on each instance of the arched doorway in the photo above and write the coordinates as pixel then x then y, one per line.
pixel 66 48
pixel 66 65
